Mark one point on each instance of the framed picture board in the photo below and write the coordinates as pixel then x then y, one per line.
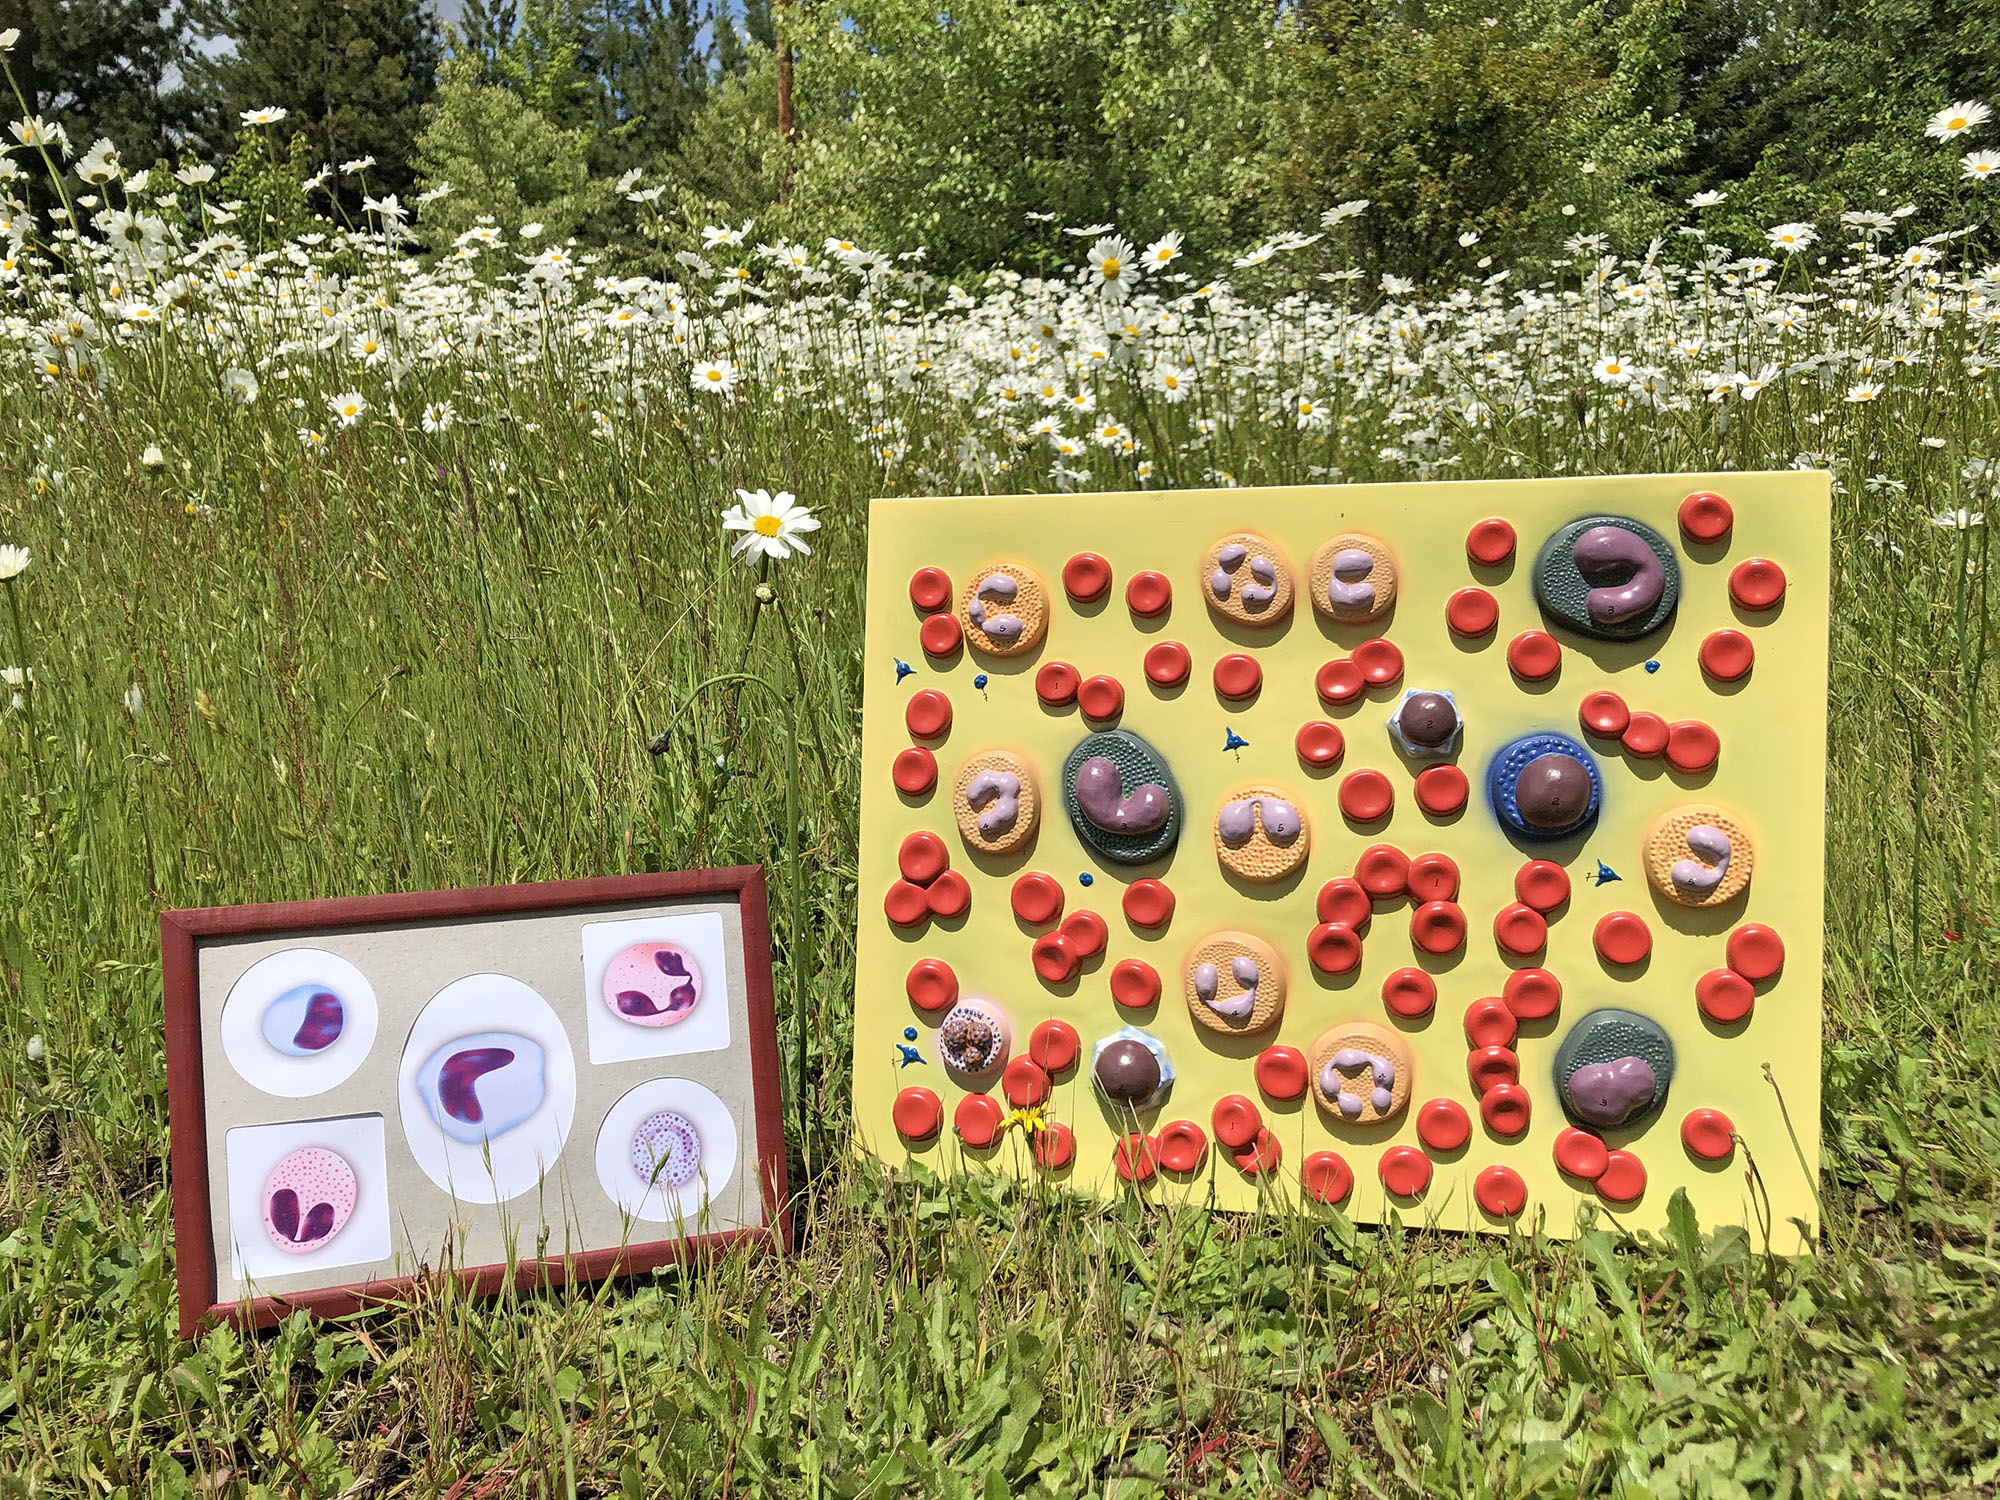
pixel 548 1082
pixel 1450 851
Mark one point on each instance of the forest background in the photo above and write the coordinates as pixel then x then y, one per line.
pixel 1480 128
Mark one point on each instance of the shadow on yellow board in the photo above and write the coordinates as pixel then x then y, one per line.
pixel 1711 1065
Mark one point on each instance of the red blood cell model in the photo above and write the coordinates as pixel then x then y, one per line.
pixel 927 714
pixel 1645 736
pixel 1505 1109
pixel 1542 884
pixel 1168 664
pixel 1320 744
pixel 1333 948
pixel 1055 1045
pixel 1055 958
pixel 1037 898
pixel 1623 1178
pixel 1101 698
pixel 905 904
pixel 1622 937
pixel 1705 517
pixel 1489 1067
pixel 1056 683
pixel 1490 542
pixel 1326 1177
pixel 929 589
pixel 1692 746
pixel 1706 1133
pixel 1340 681
pixel 1488 1023
pixel 1520 929
pixel 1382 870
pixel 923 857
pixel 1534 656
pixel 1148 594
pixel 1443 1125
pixel 918 1113
pixel 1409 993
pixel 978 1119
pixel 1148 903
pixel 1055 1144
pixel 1137 1157
pixel 1134 983
pixel 1380 660
pixel 1532 994
pixel 1471 612
pixel 1405 1171
pixel 1756 951
pixel 1086 577
pixel 1366 796
pixel 1441 790
pixel 940 635
pixel 1724 996
pixel 1345 901
pixel 931 985
pixel 1432 877
pixel 1235 1120
pixel 914 771
pixel 1757 583
pixel 1237 676
pixel 1023 1082
pixel 1437 926
pixel 1727 655
pixel 1500 1191
pixel 1262 1155
pixel 949 894
pixel 1182 1146
pixel 1087 933
pixel 1604 714
pixel 1281 1072
pixel 1580 1153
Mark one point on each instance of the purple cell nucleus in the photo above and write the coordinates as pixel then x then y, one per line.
pixel 482 1086
pixel 653 984
pixel 306 1019
pixel 666 1149
pixel 308 1199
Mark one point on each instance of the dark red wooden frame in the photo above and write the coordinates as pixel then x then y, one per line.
pixel 187 1110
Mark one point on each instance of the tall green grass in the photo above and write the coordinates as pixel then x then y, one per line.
pixel 419 660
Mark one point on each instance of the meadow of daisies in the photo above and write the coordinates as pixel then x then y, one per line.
pixel 332 567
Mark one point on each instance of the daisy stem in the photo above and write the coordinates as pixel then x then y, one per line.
pixel 28 698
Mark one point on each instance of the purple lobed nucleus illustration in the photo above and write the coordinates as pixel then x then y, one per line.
pixel 653 984
pixel 666 1149
pixel 308 1198
pixel 482 1086
pixel 305 1020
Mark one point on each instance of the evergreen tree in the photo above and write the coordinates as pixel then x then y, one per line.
pixel 653 74
pixel 99 68
pixel 354 74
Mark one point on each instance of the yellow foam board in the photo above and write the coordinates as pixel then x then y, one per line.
pixel 1770 778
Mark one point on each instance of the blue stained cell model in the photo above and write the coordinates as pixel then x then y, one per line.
pixel 1652 666
pixel 1232 740
pixel 979 681
pixel 1085 878
pixel 910 1055
pixel 909 1033
pixel 1605 874
pixel 903 669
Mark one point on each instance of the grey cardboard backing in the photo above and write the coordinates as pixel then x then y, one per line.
pixel 568 1213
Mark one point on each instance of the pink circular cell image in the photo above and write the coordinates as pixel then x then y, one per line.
pixel 666 1149
pixel 653 984
pixel 307 1198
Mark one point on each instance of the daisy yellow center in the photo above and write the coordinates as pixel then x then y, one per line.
pixel 1958 122
pixel 1111 267
pixel 714 374
pixel 765 526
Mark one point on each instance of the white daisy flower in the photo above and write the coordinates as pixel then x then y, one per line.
pixel 773 526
